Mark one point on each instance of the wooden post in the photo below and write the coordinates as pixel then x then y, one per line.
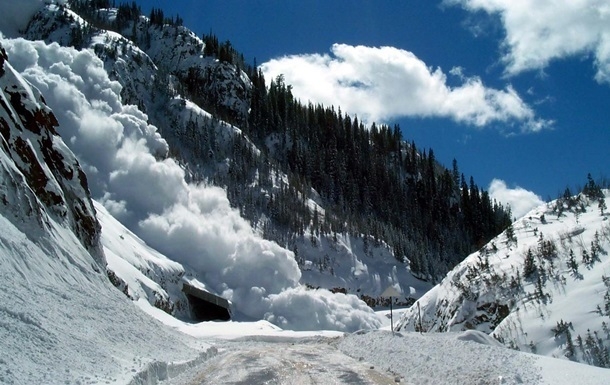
pixel 419 313
pixel 391 317
pixel 391 292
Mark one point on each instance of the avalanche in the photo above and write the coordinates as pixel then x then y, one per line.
pixel 192 224
pixel 152 76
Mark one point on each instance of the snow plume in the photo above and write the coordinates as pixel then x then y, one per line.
pixel 520 200
pixel 538 32
pixel 382 83
pixel 125 159
pixel 297 307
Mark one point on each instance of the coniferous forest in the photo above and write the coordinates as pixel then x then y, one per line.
pixel 372 182
pixel 376 182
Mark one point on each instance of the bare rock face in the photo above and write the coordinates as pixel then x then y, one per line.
pixel 41 178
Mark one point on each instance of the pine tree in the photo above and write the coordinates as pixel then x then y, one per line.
pixel 581 344
pixel 596 248
pixel 533 348
pixel 606 281
pixel 586 259
pixel 592 190
pixel 572 264
pixel 515 281
pixel 570 351
pixel 540 287
pixel 510 236
pixel 529 265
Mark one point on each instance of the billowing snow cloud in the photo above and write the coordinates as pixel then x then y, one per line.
pixel 128 171
pixel 520 200
pixel 539 31
pixel 384 83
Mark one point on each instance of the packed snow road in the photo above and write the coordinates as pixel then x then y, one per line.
pixel 382 357
pixel 300 362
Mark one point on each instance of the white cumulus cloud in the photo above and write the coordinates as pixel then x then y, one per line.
pixel 539 31
pixel 384 83
pixel 520 200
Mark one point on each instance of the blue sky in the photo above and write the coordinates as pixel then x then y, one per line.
pixel 515 91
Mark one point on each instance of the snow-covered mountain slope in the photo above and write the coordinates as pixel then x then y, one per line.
pixel 50 170
pixel 344 263
pixel 194 225
pixel 61 320
pixel 123 60
pixel 139 271
pixel 541 286
pixel 358 269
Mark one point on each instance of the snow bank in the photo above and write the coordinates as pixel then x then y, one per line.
pixel 61 321
pixel 446 358
pixel 479 338
pixel 125 160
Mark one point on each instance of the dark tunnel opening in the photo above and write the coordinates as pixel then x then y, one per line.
pixel 206 306
pixel 202 310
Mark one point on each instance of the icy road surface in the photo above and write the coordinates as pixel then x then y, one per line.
pixel 298 362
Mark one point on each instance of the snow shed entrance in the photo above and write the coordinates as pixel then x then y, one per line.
pixel 206 306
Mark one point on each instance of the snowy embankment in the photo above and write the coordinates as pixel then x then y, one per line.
pixel 463 358
pixel 541 286
pixel 58 325
pixel 61 322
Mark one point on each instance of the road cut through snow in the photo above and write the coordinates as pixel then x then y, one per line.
pixel 272 360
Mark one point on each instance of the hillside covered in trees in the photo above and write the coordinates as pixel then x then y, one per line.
pixel 368 181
